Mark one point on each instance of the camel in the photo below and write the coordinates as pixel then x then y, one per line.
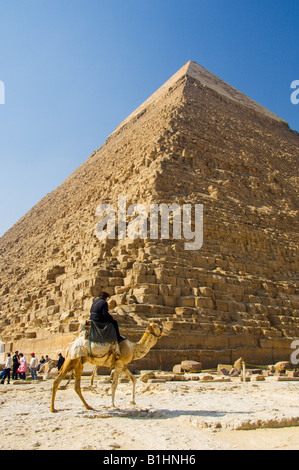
pixel 117 360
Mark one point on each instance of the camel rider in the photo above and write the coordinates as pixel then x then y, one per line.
pixel 99 313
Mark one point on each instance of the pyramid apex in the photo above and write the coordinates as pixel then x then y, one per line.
pixel 207 79
pixel 191 62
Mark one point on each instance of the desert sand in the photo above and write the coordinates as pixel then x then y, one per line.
pixel 172 415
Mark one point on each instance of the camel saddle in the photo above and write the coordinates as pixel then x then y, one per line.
pixel 100 332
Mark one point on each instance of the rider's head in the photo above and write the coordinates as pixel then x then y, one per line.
pixel 105 295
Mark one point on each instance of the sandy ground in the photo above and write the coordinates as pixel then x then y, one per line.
pixel 189 415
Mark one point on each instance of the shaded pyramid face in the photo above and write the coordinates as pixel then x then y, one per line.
pixel 196 141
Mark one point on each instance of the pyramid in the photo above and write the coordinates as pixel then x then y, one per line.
pixel 197 141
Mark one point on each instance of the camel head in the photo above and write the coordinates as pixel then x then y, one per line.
pixel 157 330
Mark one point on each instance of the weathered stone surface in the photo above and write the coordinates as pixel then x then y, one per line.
pixel 292 373
pixel 224 369
pixel 145 377
pixel 257 378
pixel 238 364
pixel 283 365
pixel 191 366
pixel 206 378
pixel 197 140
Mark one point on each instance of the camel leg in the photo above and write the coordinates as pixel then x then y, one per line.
pixel 67 366
pixel 78 372
pixel 65 385
pixel 93 375
pixel 134 380
pixel 116 374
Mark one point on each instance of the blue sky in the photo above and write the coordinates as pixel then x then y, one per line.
pixel 73 70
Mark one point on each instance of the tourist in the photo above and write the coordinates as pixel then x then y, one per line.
pixel 15 365
pixel 22 367
pixel 60 361
pixel 33 366
pixel 41 362
pixel 5 374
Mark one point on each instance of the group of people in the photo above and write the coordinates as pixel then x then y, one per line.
pixel 18 365
pixel 98 313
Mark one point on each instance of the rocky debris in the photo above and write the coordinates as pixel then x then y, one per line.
pixel 177 369
pixel 282 366
pixel 292 373
pixel 224 369
pixel 238 364
pixel 207 378
pixel 257 377
pixel 191 366
pixel 187 366
pixel 231 370
pixel 147 375
pixel 156 377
